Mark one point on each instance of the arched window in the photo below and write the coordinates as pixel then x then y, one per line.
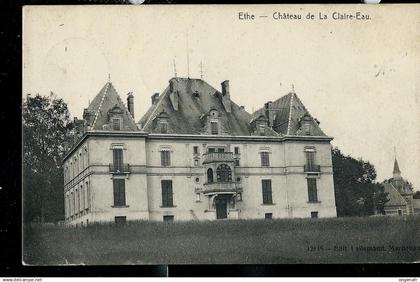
pixel 224 173
pixel 209 175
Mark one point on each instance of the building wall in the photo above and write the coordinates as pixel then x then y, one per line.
pixel 143 183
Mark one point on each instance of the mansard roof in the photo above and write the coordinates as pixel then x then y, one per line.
pixel 106 102
pixel 188 101
pixel 288 112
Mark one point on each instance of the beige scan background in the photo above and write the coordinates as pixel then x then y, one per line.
pixel 361 79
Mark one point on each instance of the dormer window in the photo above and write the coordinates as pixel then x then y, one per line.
pixel 163 127
pixel 214 127
pixel 261 130
pixel 161 122
pixel 116 124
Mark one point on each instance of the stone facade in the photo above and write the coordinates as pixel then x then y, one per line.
pixel 176 165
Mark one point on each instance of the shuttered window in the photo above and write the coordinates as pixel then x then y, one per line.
pixel 116 124
pixel 165 158
pixel 119 192
pixel 214 128
pixel 266 191
pixel 118 159
pixel 310 159
pixel 167 195
pixel 265 159
pixel 312 190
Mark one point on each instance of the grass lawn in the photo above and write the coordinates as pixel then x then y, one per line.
pixel 338 240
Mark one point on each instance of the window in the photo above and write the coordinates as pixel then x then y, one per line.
pixel 116 124
pixel 265 159
pixel 214 128
pixel 224 173
pixel 76 201
pixel 118 160
pixel 314 214
pixel 167 196
pixel 266 191
pixel 399 212
pixel 82 199
pixel 120 220
pixel 268 216
pixel 196 163
pixel 119 192
pixel 212 150
pixel 163 127
pixel 236 150
pixel 168 218
pixel 237 162
pixel 209 175
pixel 198 197
pixel 165 158
pixel 310 158
pixel 195 148
pixel 312 190
pixel 261 130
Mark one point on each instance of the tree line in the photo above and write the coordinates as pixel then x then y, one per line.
pixel 48 133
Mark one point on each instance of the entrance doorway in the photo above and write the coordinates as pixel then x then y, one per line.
pixel 221 207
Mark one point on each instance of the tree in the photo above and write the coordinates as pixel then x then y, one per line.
pixel 47 133
pixel 356 192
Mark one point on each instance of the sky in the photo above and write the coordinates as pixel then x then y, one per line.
pixel 359 78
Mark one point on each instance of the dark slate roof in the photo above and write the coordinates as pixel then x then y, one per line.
pixel 104 101
pixel 187 119
pixel 288 110
pixel 395 198
pixel 396 168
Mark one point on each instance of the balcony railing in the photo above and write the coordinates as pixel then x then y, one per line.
pixel 119 169
pixel 218 157
pixel 312 168
pixel 220 187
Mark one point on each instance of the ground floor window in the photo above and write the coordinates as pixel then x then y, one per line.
pixel 119 192
pixel 268 216
pixel 120 219
pixel 167 194
pixel 314 214
pixel 168 218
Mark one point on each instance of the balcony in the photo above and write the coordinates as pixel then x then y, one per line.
pixel 220 187
pixel 312 168
pixel 119 169
pixel 218 157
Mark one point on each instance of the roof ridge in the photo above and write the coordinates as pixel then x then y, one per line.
pixel 290 114
pixel 100 104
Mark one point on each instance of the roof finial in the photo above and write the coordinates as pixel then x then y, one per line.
pixel 175 68
pixel 109 77
pixel 201 70
pixel 293 88
pixel 188 58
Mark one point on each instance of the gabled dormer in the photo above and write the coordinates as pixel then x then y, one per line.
pixel 306 125
pixel 259 125
pixel 161 123
pixel 211 122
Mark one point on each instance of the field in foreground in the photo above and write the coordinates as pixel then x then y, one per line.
pixel 339 240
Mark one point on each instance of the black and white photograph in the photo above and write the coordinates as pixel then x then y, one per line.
pixel 220 134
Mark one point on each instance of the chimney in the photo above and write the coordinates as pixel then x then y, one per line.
pixel 226 95
pixel 155 98
pixel 130 103
pixel 269 113
pixel 173 94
